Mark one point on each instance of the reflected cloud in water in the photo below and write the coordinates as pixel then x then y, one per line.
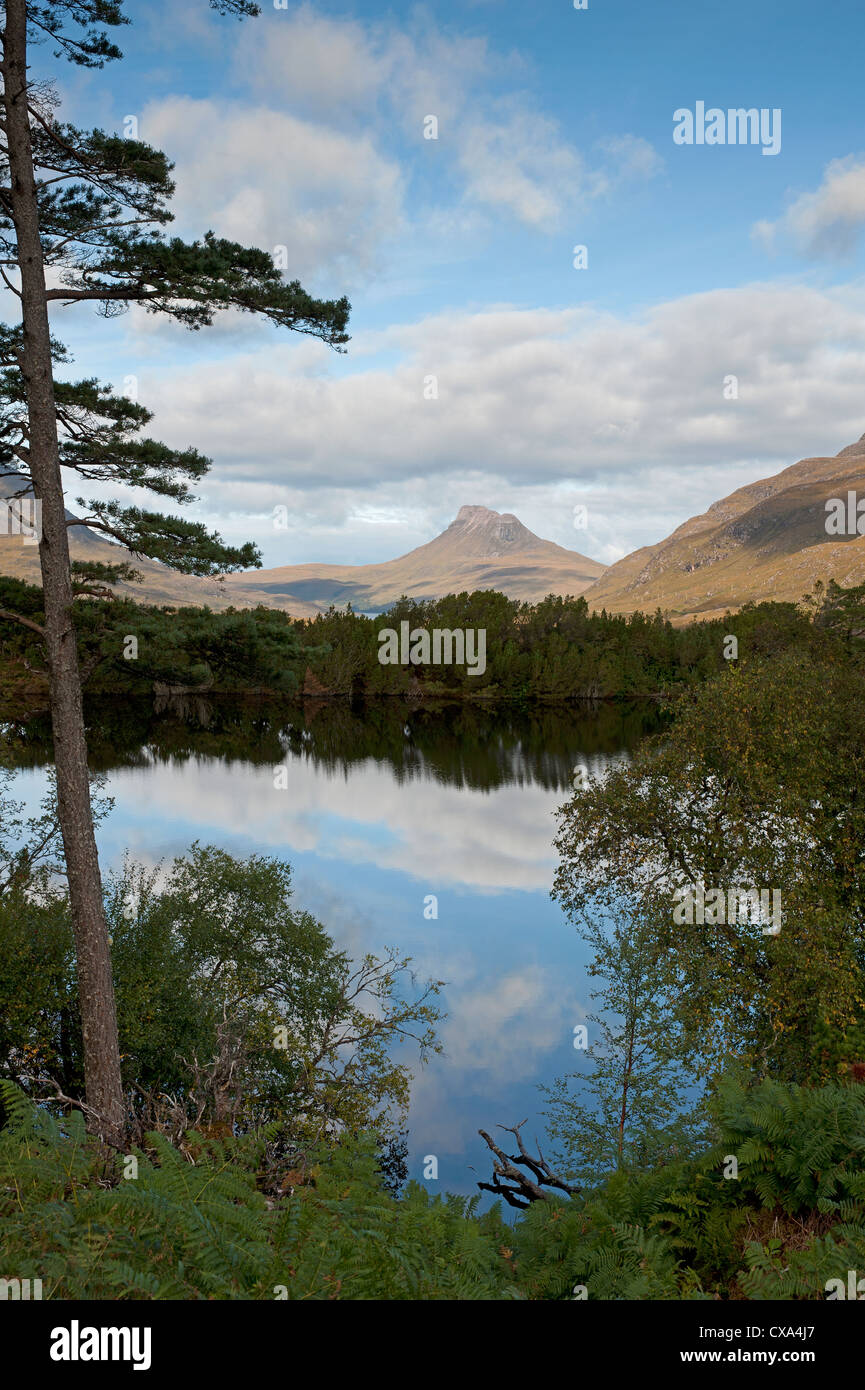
pixel 380 810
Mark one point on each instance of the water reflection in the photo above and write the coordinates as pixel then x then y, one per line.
pixel 482 745
pixel 380 807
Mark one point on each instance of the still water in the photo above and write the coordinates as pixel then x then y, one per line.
pixel 386 808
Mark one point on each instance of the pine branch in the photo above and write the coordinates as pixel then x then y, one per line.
pixel 25 622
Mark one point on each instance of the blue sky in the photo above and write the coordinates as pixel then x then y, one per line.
pixel 602 386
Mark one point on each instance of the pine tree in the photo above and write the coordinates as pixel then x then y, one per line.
pixel 89 207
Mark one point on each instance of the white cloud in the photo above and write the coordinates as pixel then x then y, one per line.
pixel 266 178
pixel 537 410
pixel 341 70
pixel 629 158
pixel 828 221
pixel 315 64
pixel 504 1027
pixel 488 841
pixel 384 80
pixel 519 162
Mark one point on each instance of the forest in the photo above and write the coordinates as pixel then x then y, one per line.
pixel 552 651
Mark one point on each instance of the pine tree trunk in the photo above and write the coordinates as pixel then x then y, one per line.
pixel 104 1092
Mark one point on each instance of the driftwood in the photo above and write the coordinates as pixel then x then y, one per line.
pixel 525 1187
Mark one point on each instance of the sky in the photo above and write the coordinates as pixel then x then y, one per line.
pixel 714 335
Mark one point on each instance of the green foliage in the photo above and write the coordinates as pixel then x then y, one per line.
pixel 191 647
pixel 792 1219
pixel 603 1247
pixel 637 1116
pixel 195 1223
pixel 798 1148
pixel 758 782
pixel 201 1230
pixel 234 1007
pixel 229 650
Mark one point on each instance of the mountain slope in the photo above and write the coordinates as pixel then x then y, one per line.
pixel 765 541
pixel 481 549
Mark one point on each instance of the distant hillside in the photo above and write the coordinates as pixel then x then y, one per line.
pixel 765 541
pixel 161 585
pixel 481 549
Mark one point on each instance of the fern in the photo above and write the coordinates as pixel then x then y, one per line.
pixel 794 1219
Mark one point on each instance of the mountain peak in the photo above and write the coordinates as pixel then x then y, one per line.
pixel 469 513
pixel 480 549
pixel 480 531
pixel 477 515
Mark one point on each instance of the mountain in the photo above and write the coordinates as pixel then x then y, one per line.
pixel 481 549
pixel 765 541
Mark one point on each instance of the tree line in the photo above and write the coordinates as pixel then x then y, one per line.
pixel 552 651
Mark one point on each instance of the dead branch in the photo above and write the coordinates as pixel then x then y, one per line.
pixel 524 1189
